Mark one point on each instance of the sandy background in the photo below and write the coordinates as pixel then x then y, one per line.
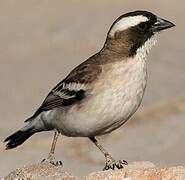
pixel 41 41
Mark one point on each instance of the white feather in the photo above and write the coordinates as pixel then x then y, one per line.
pixel 127 22
pixel 74 86
pixel 71 87
pixel 143 51
pixel 63 95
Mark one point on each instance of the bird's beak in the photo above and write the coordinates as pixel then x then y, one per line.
pixel 162 24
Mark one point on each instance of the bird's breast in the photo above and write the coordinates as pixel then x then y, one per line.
pixel 115 97
pixel 121 89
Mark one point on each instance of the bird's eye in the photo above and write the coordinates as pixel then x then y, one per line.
pixel 143 26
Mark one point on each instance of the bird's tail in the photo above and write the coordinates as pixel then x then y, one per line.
pixel 18 138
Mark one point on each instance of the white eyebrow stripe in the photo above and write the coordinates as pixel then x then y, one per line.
pixel 127 22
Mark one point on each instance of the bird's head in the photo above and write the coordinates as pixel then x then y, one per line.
pixel 135 30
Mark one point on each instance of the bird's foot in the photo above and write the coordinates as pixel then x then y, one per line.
pixel 112 164
pixel 51 159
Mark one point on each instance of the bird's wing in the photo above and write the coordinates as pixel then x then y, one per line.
pixel 72 89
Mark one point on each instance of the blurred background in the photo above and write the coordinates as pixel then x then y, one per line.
pixel 41 41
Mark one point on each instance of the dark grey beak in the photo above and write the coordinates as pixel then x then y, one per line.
pixel 162 24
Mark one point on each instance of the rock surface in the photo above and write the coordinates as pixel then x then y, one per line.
pixel 40 171
pixel 135 171
pixel 171 173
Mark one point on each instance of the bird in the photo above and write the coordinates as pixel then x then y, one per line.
pixel 103 92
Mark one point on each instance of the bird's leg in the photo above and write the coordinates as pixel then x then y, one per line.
pixel 51 158
pixel 110 163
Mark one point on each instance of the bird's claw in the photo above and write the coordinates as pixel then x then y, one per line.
pixel 112 164
pixel 51 160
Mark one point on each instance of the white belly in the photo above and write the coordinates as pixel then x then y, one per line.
pixel 114 98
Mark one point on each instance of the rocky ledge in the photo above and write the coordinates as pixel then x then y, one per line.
pixel 134 171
